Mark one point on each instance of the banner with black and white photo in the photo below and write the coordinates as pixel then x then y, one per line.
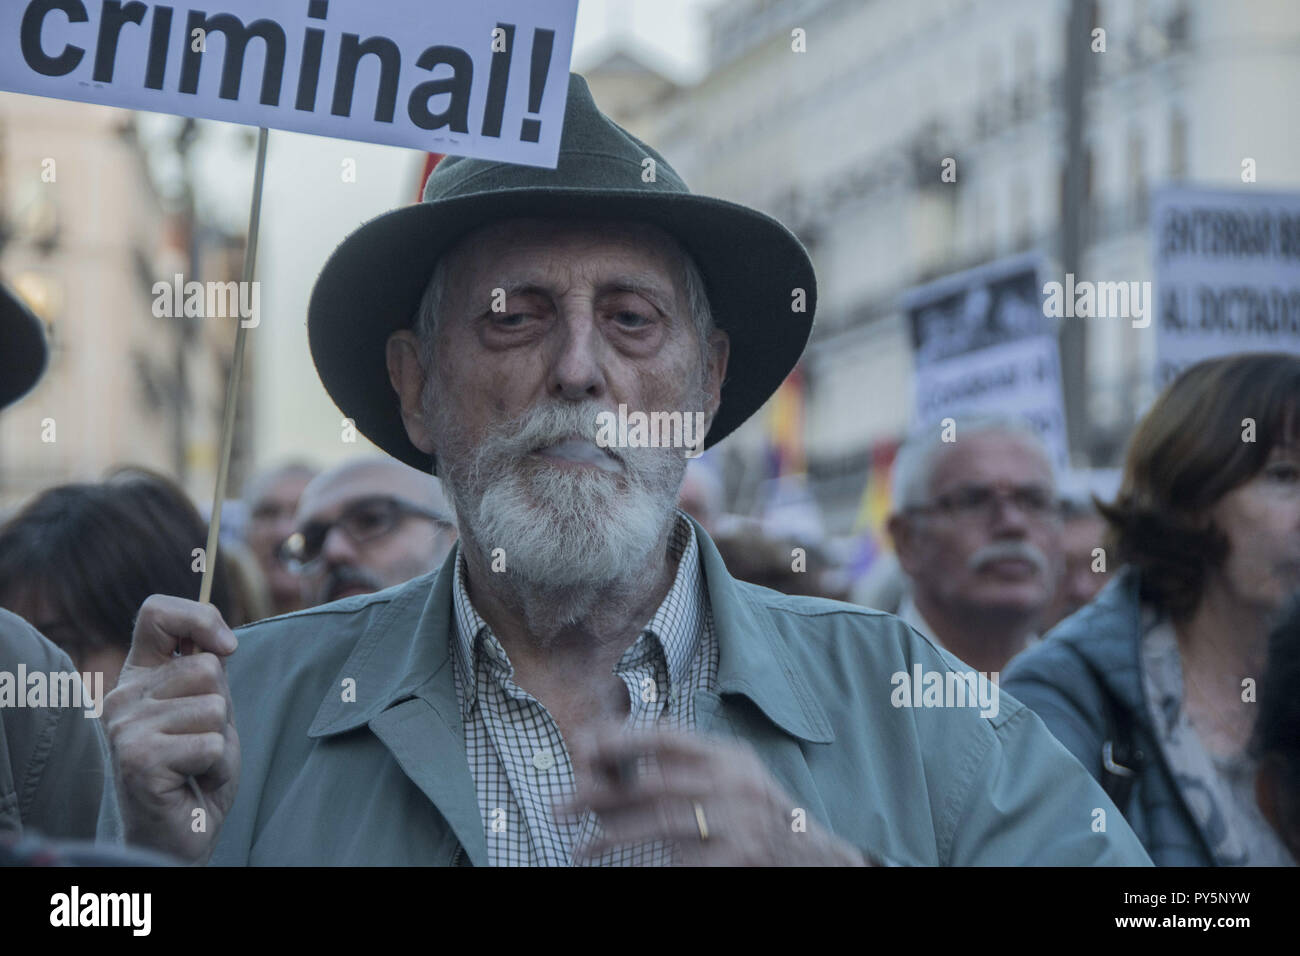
pixel 983 345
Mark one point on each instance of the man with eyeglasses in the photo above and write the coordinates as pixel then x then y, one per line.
pixel 272 500
pixel 977 528
pixel 367 525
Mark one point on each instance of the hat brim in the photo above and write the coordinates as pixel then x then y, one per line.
pixel 23 352
pixel 372 284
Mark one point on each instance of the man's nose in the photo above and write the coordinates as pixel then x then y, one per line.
pixel 577 370
pixel 337 548
pixel 1009 519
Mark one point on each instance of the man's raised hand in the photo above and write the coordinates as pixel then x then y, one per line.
pixel 170 718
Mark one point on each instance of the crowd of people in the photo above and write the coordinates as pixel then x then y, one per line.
pixel 79 560
pixel 1146 646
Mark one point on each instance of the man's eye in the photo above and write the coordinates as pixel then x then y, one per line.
pixel 366 520
pixel 632 320
pixel 1032 499
pixel 513 320
pixel 1285 472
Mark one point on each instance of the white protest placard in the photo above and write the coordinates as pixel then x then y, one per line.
pixel 1227 274
pixel 982 345
pixel 487 78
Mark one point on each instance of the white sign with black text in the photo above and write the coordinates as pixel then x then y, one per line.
pixel 1227 273
pixel 485 79
pixel 983 346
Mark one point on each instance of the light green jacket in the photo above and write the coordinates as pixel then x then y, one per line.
pixel 383 778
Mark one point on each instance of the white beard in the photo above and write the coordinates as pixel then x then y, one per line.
pixel 561 530
pixel 568 536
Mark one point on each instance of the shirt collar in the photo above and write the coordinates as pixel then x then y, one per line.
pixel 675 627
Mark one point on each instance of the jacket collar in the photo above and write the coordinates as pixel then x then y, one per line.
pixel 405 652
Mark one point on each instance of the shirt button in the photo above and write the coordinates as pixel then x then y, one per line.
pixel 543 759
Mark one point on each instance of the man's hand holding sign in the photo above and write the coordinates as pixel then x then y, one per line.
pixel 170 718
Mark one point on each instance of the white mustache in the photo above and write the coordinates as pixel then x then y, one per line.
pixel 1008 551
pixel 551 425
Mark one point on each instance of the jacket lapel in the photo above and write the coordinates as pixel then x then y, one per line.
pixel 763 699
pixel 780 752
pixel 406 695
pixel 753 661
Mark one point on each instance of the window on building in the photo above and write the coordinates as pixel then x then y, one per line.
pixel 1021 206
pixel 1177 146
pixel 1137 178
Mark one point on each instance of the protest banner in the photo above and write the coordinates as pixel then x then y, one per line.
pixel 444 76
pixel 1227 274
pixel 982 345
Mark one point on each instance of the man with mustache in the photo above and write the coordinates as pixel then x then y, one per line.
pixel 271 498
pixel 582 682
pixel 366 525
pixel 977 529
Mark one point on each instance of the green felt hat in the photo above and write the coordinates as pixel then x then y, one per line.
pixel 22 348
pixel 372 284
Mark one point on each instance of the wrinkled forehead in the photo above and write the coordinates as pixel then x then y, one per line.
pixel 538 248
pixel 988 458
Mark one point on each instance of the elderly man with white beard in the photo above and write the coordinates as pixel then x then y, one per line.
pixel 581 682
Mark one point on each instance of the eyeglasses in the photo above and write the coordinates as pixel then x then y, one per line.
pixel 361 521
pixel 980 502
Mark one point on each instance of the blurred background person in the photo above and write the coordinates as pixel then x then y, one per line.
pixel 1147 684
pixel 883 587
pixel 1277 732
pixel 271 499
pixel 1085 573
pixel 977 530
pixel 366 525
pixel 778 562
pixel 701 495
pixel 79 560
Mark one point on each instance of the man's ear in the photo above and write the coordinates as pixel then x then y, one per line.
pixel 904 538
pixel 716 373
pixel 408 377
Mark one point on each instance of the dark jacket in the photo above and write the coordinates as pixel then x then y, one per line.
pixel 52 759
pixel 1090 664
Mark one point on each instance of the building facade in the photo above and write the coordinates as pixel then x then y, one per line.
pixel 836 116
pixel 86 235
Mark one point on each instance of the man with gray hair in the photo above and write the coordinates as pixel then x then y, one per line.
pixel 364 525
pixel 582 681
pixel 977 530
pixel 271 497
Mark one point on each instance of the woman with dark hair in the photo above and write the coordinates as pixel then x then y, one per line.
pixel 1152 686
pixel 79 560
